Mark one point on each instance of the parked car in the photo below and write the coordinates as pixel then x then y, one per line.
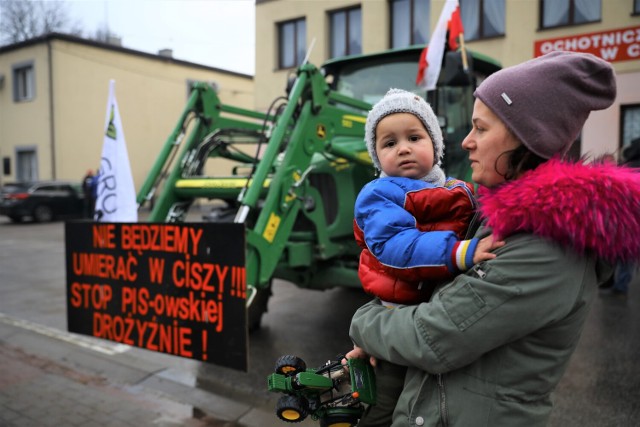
pixel 41 201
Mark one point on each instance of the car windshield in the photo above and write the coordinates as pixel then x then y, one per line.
pixel 370 80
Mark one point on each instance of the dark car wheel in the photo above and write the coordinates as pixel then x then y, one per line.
pixel 43 213
pixel 15 218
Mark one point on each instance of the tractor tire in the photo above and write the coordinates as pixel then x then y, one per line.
pixel 225 214
pixel 292 409
pixel 43 213
pixel 258 307
pixel 288 365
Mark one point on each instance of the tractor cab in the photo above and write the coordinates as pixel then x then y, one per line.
pixel 369 77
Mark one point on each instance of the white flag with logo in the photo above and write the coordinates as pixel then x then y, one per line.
pixel 116 194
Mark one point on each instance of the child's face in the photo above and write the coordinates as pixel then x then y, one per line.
pixel 404 146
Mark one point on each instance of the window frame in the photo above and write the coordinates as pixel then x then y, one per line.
pixel 23 75
pixel 297 60
pixel 347 11
pixel 571 21
pixel 26 163
pixel 411 28
pixel 625 139
pixel 481 23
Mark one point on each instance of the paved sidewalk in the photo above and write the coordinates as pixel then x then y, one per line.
pixel 54 378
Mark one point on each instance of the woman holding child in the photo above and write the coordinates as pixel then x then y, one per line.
pixel 489 347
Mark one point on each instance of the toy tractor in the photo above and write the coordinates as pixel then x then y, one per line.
pixel 333 394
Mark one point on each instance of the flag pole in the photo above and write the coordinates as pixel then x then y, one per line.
pixel 463 50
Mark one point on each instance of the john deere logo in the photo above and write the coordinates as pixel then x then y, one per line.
pixel 321 131
pixel 111 129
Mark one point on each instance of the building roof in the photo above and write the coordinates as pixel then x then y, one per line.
pixel 106 46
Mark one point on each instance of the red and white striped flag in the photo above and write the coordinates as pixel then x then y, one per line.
pixel 431 57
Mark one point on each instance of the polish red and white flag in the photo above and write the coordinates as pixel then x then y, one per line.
pixel 431 57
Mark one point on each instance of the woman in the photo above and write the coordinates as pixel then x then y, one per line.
pixel 490 347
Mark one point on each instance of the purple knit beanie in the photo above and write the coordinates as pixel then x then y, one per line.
pixel 545 101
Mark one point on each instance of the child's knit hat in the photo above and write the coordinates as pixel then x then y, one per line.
pixel 401 101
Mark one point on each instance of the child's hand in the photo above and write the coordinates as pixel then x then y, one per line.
pixel 358 353
pixel 484 248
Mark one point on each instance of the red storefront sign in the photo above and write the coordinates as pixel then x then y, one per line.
pixel 622 44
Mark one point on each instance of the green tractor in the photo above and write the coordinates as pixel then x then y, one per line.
pixel 333 394
pixel 291 174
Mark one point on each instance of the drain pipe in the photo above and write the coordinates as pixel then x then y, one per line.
pixel 52 133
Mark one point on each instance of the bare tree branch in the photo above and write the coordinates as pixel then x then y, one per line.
pixel 22 20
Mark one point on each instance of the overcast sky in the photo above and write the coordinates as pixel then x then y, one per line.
pixel 218 33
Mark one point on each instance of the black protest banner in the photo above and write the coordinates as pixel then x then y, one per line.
pixel 173 288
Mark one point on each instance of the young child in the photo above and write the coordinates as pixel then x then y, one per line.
pixel 411 221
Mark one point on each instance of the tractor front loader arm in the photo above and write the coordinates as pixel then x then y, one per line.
pixel 312 145
pixel 276 217
pixel 202 116
pixel 306 128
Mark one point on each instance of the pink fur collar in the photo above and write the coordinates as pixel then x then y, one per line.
pixel 585 207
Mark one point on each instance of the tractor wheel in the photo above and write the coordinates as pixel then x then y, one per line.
pixel 292 409
pixel 288 365
pixel 43 213
pixel 226 214
pixel 258 307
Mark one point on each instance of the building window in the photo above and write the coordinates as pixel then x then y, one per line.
pixel 346 32
pixel 24 86
pixel 292 43
pixel 6 166
pixel 26 164
pixel 482 18
pixel 630 117
pixel 636 7
pixel 556 13
pixel 409 22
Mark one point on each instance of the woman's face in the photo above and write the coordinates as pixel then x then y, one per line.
pixel 488 145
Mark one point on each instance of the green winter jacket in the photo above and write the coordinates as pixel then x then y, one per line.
pixel 491 346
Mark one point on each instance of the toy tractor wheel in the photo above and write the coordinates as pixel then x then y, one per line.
pixel 292 409
pixel 339 421
pixel 288 365
pixel 342 417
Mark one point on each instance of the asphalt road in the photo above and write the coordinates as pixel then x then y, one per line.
pixel 601 387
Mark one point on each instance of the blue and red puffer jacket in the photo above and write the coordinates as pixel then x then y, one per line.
pixel 411 232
